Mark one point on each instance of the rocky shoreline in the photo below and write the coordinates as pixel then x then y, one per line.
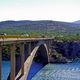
pixel 65 51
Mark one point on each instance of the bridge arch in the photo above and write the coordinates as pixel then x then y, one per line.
pixel 41 51
pixel 41 54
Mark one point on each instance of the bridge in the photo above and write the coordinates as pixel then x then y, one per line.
pixel 28 49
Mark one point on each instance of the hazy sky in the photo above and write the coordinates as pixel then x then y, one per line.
pixel 59 10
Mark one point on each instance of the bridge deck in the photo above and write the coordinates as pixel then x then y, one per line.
pixel 22 39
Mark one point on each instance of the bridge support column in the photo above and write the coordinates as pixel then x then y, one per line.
pixel 29 48
pixel 49 50
pixel 22 58
pixel 0 62
pixel 12 63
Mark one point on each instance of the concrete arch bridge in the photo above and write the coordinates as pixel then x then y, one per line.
pixel 29 48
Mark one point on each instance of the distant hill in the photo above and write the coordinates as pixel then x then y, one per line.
pixel 42 25
pixel 77 22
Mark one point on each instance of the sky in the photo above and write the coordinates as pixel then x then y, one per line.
pixel 58 10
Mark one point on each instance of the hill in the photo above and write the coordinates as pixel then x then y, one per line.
pixel 77 22
pixel 25 26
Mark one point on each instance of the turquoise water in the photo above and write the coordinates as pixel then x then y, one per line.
pixel 5 69
pixel 69 71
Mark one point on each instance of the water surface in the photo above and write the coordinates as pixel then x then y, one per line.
pixel 35 67
pixel 5 69
pixel 69 71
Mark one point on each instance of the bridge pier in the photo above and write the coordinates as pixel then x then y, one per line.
pixel 49 50
pixel 22 58
pixel 12 63
pixel 29 48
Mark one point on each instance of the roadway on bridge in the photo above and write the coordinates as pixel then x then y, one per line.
pixel 22 39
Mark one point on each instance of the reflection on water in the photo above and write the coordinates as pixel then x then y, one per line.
pixel 69 71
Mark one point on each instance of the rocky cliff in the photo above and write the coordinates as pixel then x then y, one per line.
pixel 69 49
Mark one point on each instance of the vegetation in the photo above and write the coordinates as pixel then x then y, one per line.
pixel 68 37
pixel 56 36
pixel 45 28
